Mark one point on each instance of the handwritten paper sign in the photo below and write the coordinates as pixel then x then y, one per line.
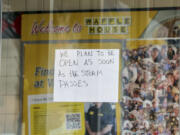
pixel 86 75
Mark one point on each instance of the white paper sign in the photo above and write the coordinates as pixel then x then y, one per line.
pixel 86 75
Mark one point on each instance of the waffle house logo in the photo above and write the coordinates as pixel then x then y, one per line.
pixel 108 25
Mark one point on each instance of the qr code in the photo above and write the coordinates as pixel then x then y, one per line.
pixel 73 121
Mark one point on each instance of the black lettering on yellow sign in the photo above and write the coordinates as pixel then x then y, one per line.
pixel 111 21
pixel 92 30
pixel 41 71
pixel 39 84
pixel 88 21
pixel 115 29
pixel 104 21
pixel 99 30
pixel 107 30
pixel 108 25
pixel 127 21
pixel 96 21
pixel 119 20
pixel 123 29
pixel 50 83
